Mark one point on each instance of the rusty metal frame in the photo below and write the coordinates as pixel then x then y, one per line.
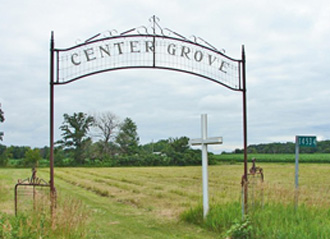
pixel 253 178
pixel 37 182
pixel 156 32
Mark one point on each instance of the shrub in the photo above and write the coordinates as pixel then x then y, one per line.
pixel 32 157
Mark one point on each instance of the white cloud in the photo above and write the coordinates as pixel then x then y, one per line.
pixel 287 69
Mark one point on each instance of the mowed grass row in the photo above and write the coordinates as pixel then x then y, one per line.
pixel 106 217
pixel 168 191
pixel 165 190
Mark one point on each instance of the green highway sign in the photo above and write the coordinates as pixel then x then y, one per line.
pixel 307 141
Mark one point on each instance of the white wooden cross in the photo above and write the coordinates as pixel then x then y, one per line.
pixel 204 141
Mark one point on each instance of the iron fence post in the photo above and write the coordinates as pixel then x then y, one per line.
pixel 244 130
pixel 51 160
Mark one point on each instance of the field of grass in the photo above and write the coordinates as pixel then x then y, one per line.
pixel 279 158
pixel 149 202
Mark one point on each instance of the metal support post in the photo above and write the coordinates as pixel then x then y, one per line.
pixel 51 134
pixel 245 184
pixel 296 192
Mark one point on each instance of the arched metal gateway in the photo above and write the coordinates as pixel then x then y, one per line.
pixel 145 47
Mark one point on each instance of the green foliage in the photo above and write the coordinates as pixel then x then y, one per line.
pixel 121 147
pixel 127 138
pixel 274 220
pixel 193 215
pixel 35 225
pixel 2 117
pixel 32 158
pixel 44 152
pixel 59 156
pixel 219 219
pixel 178 147
pixel 4 156
pixel 176 150
pixel 4 160
pixel 241 229
pixel 275 158
pixel 18 152
pixel 280 221
pixel 10 227
pixel 75 129
pixel 285 148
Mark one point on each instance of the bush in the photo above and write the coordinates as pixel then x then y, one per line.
pixel 32 158
pixel 4 159
pixel 241 229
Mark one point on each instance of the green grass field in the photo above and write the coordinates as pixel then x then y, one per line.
pixel 149 202
pixel 279 158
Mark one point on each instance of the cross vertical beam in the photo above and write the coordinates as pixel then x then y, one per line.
pixel 204 167
pixel 204 141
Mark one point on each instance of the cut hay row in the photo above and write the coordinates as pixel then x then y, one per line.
pixel 175 189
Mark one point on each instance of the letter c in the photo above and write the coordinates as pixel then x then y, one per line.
pixel 73 59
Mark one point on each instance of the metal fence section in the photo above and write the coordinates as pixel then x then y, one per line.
pixel 32 194
pixel 256 191
pixel 254 184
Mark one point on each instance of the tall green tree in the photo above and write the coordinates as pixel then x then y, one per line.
pixel 127 138
pixel 180 145
pixel 75 129
pixel 179 151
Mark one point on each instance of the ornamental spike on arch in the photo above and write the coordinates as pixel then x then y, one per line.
pixel 145 47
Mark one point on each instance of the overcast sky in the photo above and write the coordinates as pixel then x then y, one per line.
pixel 288 75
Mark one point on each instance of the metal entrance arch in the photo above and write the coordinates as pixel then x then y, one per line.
pixel 145 47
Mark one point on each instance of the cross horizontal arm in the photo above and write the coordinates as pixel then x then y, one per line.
pixel 213 140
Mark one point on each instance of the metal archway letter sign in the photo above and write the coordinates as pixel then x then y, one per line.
pixel 144 47
pixel 146 51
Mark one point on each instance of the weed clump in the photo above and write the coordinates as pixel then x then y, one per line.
pixel 274 220
pixel 69 221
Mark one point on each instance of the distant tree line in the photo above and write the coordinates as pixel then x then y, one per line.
pixel 103 140
pixel 285 148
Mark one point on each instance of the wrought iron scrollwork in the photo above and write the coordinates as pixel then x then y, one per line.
pixel 154 29
pixel 33 180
